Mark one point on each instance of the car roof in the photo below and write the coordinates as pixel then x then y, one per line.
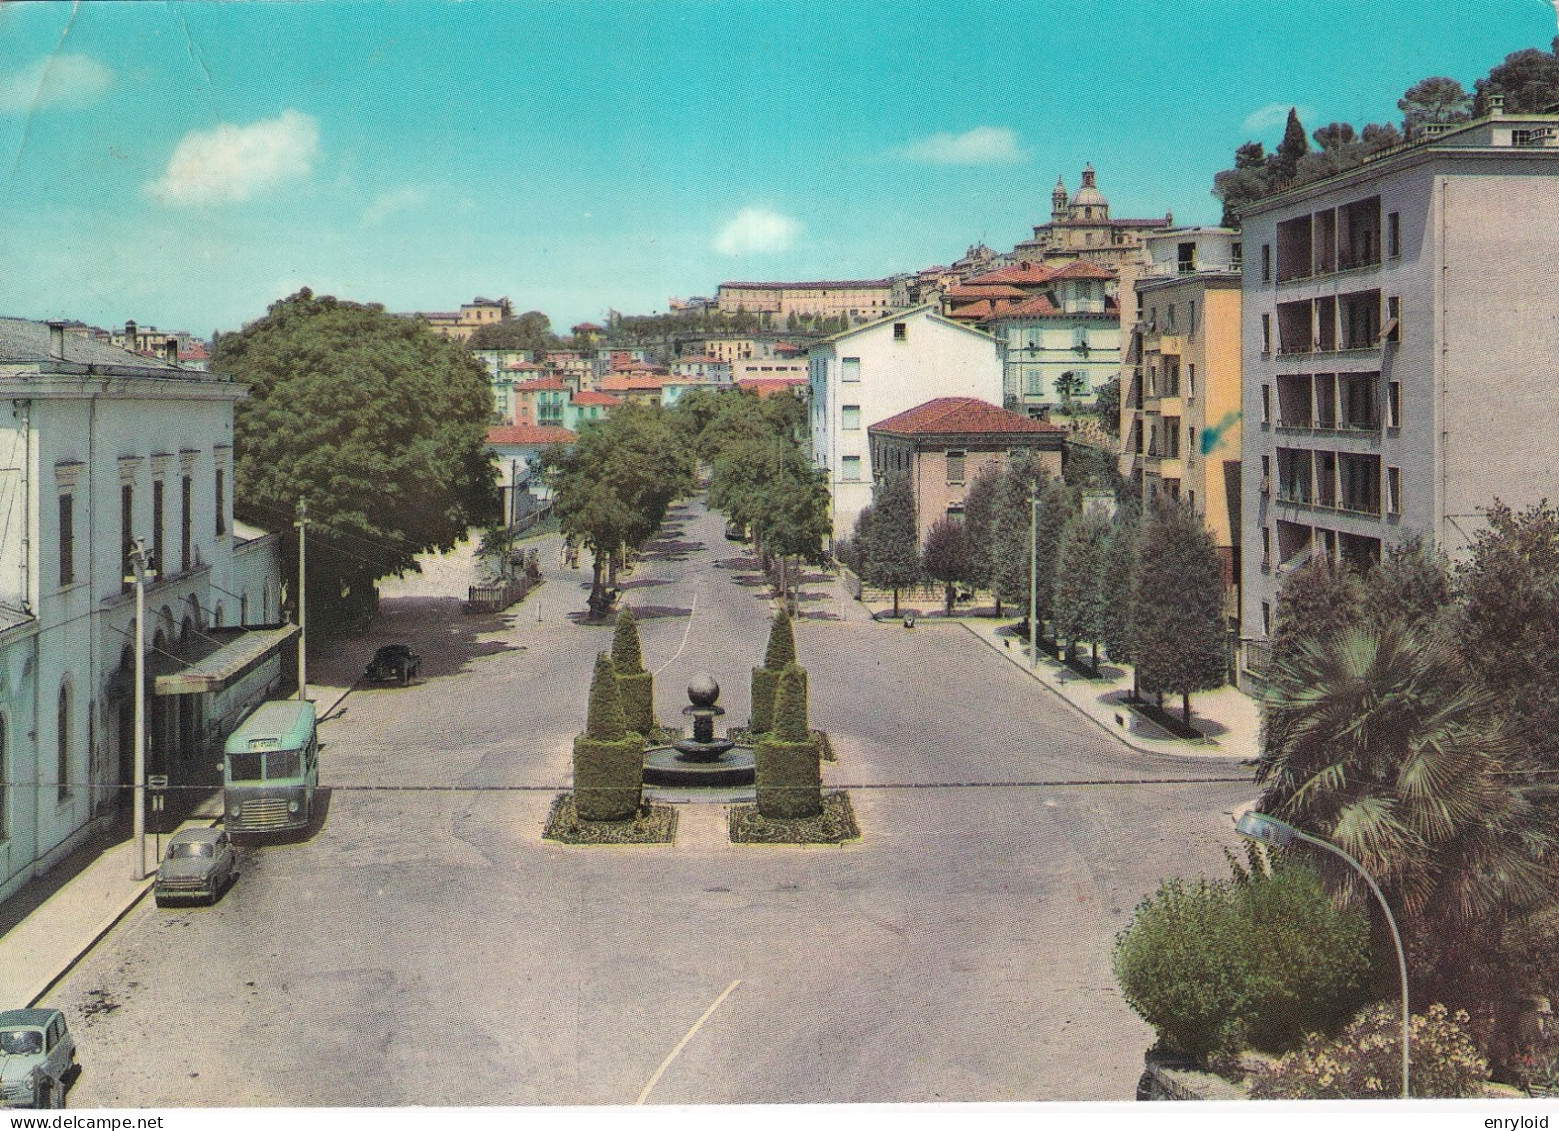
pixel 12 1018
pixel 288 721
pixel 196 836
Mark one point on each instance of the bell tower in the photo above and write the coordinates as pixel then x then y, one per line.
pixel 1058 197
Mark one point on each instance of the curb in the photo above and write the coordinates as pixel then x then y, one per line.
pixel 1101 724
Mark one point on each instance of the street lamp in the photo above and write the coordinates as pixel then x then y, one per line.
pixel 1270 830
pixel 140 574
pixel 1033 574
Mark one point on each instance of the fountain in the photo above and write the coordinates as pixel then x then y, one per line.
pixel 702 760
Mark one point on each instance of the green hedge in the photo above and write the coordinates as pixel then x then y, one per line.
pixel 765 687
pixel 608 777
pixel 638 698
pixel 789 779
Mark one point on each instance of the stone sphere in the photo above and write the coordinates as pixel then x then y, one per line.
pixel 703 691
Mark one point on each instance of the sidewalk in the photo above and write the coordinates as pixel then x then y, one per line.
pixel 42 946
pixel 1228 718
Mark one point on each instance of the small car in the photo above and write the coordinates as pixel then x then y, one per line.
pixel 199 865
pixel 394 662
pixel 37 1058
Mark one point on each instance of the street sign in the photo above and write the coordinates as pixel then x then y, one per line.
pixel 156 781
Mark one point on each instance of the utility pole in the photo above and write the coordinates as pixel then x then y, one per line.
pixel 1033 575
pixel 303 632
pixel 138 564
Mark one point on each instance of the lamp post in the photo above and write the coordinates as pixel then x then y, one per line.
pixel 1270 830
pixel 139 575
pixel 1033 575
pixel 303 631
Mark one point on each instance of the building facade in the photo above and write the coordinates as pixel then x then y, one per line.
pixel 1180 400
pixel 1061 343
pixel 1397 319
pixel 877 371
pixel 853 298
pixel 944 444
pixel 1081 228
pixel 104 447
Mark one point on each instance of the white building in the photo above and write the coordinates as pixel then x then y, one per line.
pixel 879 370
pixel 98 447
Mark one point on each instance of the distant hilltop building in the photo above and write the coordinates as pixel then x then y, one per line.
pixel 853 298
pixel 1081 228
pixel 471 316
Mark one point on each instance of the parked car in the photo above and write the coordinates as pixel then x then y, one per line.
pixel 394 661
pixel 199 865
pixel 37 1058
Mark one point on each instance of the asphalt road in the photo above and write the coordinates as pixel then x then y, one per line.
pixel 426 947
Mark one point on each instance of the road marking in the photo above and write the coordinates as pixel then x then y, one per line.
pixel 682 1044
pixel 692 609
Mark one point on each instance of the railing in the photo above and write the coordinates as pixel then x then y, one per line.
pixel 496 597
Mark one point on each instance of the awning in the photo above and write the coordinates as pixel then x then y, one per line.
pixel 228 655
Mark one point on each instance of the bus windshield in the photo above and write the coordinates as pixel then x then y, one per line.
pixel 274 765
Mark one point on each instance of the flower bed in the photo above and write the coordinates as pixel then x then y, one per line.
pixel 653 824
pixel 834 825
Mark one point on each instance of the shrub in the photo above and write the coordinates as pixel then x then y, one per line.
pixel 638 699
pixel 627 654
pixel 1365 1061
pixel 788 771
pixel 764 684
pixel 608 757
pixel 782 644
pixel 1257 960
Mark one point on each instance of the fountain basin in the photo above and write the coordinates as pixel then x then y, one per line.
pixel 669 766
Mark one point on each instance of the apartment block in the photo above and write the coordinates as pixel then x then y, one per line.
pixel 1398 353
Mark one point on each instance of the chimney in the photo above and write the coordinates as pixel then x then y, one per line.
pixel 1496 105
pixel 131 342
pixel 170 349
pixel 57 340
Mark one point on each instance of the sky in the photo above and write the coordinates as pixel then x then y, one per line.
pixel 185 165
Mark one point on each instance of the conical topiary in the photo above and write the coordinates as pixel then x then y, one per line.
pixel 608 757
pixel 605 720
pixel 790 706
pixel 788 774
pixel 782 644
pixel 627 655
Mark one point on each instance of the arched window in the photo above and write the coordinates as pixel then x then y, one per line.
pixel 62 731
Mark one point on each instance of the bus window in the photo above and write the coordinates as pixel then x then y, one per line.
pixel 244 767
pixel 283 764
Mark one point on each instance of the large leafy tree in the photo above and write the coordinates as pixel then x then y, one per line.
pixel 1435 99
pixel 379 423
pixel 980 525
pixel 945 558
pixel 1382 741
pixel 888 541
pixel 1179 643
pixel 1079 605
pixel 1528 79
pixel 530 331
pixel 612 489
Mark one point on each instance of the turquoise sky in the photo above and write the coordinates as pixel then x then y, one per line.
pixel 186 164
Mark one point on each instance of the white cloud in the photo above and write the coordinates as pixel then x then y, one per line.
pixel 1273 117
pixel 232 163
pixel 57 80
pixel 756 231
pixel 983 145
pixel 388 204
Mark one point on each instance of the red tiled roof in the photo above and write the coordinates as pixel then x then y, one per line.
pixel 523 365
pixel 1082 269
pixel 590 396
pixel 529 434
pixel 1036 307
pixel 960 416
pixel 631 382
pixel 542 385
pixel 1025 273
pixel 788 348
pixel 981 290
pixel 974 311
pixel 588 327
pixel 767 386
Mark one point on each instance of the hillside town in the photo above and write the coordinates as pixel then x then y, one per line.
pixel 1154 620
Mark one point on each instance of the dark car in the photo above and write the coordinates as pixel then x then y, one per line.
pixel 199 865
pixel 394 662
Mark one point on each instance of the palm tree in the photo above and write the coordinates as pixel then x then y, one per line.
pixel 1381 741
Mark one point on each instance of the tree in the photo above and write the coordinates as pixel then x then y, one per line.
pixel 1107 406
pixel 945 558
pixel 1383 742
pixel 1010 545
pixel 1057 504
pixel 1334 135
pixel 530 331
pixel 980 525
pixel 1435 99
pixel 1078 606
pixel 1315 602
pixel 1067 386
pixel 1412 586
pixel 1179 643
pixel 1118 585
pixel 890 543
pixel 612 489
pixel 378 422
pixel 1285 162
pixel 1528 80
pixel 1509 623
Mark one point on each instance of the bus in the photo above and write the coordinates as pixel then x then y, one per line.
pixel 270 769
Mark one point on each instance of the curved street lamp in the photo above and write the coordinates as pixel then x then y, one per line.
pixel 1270 830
